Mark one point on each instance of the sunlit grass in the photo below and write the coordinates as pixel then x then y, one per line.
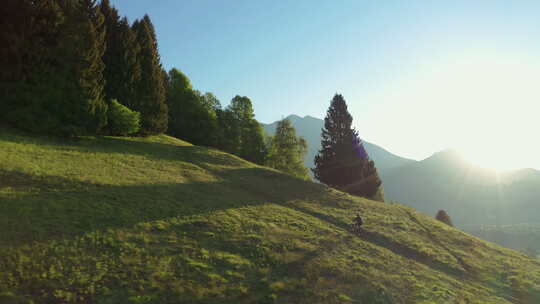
pixel 155 220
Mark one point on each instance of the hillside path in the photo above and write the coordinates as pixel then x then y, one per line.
pixel 460 260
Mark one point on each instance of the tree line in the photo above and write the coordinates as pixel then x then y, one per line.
pixel 200 119
pixel 77 67
pixel 67 60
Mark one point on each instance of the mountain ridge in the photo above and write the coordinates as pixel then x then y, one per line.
pixel 310 127
pixel 472 194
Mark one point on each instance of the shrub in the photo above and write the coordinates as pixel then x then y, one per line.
pixel 444 217
pixel 121 120
pixel 379 195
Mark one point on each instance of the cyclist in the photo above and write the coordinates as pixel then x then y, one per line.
pixel 358 222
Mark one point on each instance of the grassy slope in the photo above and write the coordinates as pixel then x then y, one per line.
pixel 157 220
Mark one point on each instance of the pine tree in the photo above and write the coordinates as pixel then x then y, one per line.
pixel 59 88
pixel 286 151
pixel 112 57
pixel 81 109
pixel 342 162
pixel 90 76
pixel 18 39
pixel 74 89
pixel 122 71
pixel 129 68
pixel 444 217
pixel 18 52
pixel 29 39
pixel 150 88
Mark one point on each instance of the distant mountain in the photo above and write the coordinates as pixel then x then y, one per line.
pixel 310 128
pixel 471 195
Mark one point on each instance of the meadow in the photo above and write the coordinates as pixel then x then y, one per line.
pixel 158 220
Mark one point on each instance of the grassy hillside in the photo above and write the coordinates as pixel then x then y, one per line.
pixel 156 220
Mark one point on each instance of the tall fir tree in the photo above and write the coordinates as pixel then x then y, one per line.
pixel 112 57
pixel 150 88
pixel 60 86
pixel 122 70
pixel 286 151
pixel 91 80
pixel 29 38
pixel 129 68
pixel 21 21
pixel 342 162
pixel 19 44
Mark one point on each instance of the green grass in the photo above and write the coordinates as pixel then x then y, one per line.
pixel 157 220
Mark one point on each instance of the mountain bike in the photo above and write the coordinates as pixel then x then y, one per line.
pixel 355 228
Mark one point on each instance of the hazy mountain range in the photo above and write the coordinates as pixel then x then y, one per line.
pixel 310 128
pixel 471 195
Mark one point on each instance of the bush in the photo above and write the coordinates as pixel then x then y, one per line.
pixel 444 217
pixel 121 120
pixel 379 195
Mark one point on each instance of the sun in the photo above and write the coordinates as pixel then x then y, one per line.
pixel 489 158
pixel 499 104
pixel 483 103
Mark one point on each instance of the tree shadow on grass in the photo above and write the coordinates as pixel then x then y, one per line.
pixel 134 146
pixel 40 208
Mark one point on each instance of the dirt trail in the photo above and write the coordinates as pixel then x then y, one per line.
pixel 461 262
pixel 381 240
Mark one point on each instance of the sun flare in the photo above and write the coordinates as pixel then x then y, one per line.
pixel 484 104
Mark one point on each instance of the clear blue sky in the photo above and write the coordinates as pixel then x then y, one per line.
pixel 419 76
